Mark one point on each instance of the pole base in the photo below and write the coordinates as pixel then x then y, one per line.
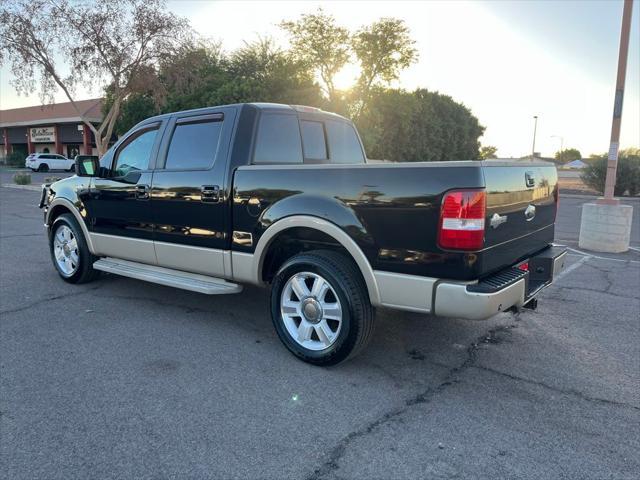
pixel 605 227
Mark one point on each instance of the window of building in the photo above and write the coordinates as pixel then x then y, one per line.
pixel 194 145
pixel 278 139
pixel 313 141
pixel 135 153
pixel 344 145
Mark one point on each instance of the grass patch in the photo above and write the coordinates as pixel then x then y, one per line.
pixel 22 178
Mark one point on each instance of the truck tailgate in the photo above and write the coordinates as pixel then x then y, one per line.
pixel 521 208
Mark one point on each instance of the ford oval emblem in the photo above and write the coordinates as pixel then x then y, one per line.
pixel 530 213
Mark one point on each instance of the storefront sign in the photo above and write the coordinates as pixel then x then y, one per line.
pixel 43 134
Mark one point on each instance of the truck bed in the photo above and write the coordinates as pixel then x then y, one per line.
pixel 392 211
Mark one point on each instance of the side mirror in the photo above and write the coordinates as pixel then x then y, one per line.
pixel 87 167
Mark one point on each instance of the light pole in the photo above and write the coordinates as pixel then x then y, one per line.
pixel 605 225
pixel 561 143
pixel 535 128
pixel 612 163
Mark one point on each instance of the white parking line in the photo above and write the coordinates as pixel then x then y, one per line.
pixel 634 249
pixel 570 269
pixel 588 255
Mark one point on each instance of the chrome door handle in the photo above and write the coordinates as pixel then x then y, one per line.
pixel 210 193
pixel 142 192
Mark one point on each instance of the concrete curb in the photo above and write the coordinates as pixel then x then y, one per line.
pixel 32 188
pixel 595 197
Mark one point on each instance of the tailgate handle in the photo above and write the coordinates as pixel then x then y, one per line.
pixel 530 179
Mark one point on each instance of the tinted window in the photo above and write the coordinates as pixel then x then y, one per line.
pixel 344 146
pixel 135 154
pixel 313 140
pixel 278 139
pixel 194 145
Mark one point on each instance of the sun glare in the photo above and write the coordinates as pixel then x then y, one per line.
pixel 347 77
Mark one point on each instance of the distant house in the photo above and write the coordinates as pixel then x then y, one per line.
pixel 575 164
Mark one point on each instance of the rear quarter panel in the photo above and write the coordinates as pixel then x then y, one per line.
pixel 390 210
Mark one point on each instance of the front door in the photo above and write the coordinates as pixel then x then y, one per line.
pixel 119 206
pixel 188 196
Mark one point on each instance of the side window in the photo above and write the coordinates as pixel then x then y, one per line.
pixel 194 145
pixel 278 139
pixel 135 153
pixel 344 146
pixel 313 141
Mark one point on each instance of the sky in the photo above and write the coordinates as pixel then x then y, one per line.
pixel 505 60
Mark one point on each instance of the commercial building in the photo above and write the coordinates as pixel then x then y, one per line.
pixel 55 128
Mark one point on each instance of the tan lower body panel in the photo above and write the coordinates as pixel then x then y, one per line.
pixel 134 249
pixel 405 292
pixel 208 261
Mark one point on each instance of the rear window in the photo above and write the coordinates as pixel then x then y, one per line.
pixel 313 141
pixel 193 145
pixel 278 139
pixel 344 146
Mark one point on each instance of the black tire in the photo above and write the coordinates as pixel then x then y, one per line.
pixel 346 281
pixel 84 272
pixel 43 167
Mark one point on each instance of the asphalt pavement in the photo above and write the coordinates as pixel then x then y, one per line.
pixel 124 379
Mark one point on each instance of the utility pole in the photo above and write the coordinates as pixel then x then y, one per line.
pixel 612 163
pixel 535 128
pixel 605 225
pixel 561 142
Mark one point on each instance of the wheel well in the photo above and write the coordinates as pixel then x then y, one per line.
pixel 56 212
pixel 293 241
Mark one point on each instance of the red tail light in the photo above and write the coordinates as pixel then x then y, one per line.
pixel 462 220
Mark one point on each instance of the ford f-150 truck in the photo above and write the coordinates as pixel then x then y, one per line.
pixel 266 194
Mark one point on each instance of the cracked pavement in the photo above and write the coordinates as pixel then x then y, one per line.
pixel 124 379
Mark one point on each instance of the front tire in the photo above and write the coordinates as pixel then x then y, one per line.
pixel 320 307
pixel 69 251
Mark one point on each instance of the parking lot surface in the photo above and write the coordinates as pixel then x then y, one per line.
pixel 125 379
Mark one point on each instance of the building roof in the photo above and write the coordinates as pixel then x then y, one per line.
pixel 55 113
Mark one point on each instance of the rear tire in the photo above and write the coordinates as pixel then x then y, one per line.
pixel 43 167
pixel 69 251
pixel 320 307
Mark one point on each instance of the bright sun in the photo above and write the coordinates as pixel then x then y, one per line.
pixel 347 77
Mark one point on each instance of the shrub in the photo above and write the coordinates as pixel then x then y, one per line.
pixel 22 178
pixel 627 174
pixel 15 159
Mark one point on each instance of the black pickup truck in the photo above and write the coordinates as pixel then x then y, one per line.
pixel 209 199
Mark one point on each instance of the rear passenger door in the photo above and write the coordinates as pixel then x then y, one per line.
pixel 188 195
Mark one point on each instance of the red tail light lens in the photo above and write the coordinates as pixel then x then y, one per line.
pixel 462 220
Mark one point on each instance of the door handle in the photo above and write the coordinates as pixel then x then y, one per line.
pixel 142 192
pixel 210 193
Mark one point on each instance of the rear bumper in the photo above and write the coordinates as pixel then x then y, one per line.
pixel 499 292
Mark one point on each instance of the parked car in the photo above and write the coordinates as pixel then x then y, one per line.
pixel 43 162
pixel 210 199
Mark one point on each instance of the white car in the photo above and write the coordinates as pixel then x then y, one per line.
pixel 43 162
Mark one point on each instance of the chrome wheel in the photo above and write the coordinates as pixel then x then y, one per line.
pixel 65 250
pixel 311 311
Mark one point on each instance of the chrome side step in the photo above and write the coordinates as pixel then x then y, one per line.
pixel 166 276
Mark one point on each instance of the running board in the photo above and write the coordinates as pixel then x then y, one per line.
pixel 167 276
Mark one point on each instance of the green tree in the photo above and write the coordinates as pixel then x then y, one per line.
pixel 418 126
pixel 117 42
pixel 318 41
pixel 487 152
pixel 262 72
pixel 568 155
pixel 383 49
pixel 627 173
